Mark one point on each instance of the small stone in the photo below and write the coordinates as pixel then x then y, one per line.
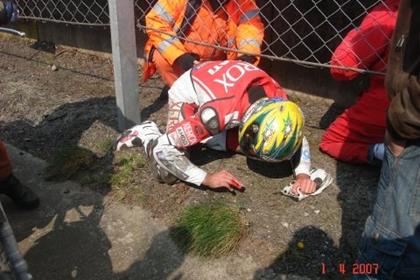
pixel 286 225
pixel 317 211
pixel 54 67
pixel 248 209
pixel 306 214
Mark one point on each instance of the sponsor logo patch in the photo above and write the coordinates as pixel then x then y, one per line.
pixel 190 133
pixel 182 137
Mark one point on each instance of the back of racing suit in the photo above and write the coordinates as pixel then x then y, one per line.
pixel 208 103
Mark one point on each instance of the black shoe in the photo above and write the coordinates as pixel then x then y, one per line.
pixel 23 196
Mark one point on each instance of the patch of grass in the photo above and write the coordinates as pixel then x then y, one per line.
pixel 123 177
pixel 125 166
pixel 68 161
pixel 209 229
pixel 104 145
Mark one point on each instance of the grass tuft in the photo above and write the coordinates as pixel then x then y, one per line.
pixel 125 165
pixel 209 229
pixel 68 161
pixel 123 177
pixel 104 145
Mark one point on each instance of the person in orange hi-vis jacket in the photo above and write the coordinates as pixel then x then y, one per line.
pixel 357 135
pixel 226 23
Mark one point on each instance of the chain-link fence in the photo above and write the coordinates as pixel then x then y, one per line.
pixel 82 12
pixel 301 31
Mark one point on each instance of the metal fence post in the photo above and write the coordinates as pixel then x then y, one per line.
pixel 125 62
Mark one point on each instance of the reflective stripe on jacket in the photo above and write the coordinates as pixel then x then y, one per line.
pixel 236 25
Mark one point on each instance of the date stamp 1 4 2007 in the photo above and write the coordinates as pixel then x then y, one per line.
pixel 354 269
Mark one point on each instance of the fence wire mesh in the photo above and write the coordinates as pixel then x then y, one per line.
pixel 81 12
pixel 300 31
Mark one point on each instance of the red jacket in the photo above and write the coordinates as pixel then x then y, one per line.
pixel 367 47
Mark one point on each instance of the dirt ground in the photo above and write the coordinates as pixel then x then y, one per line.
pixel 42 110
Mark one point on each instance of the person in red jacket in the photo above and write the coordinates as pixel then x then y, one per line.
pixel 357 135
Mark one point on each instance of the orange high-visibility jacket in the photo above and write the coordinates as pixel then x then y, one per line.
pixel 236 25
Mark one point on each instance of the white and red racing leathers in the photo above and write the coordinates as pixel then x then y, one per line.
pixel 207 103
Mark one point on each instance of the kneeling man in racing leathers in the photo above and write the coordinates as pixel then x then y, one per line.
pixel 229 106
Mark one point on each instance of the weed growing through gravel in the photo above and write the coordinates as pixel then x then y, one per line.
pixel 68 161
pixel 125 165
pixel 209 229
pixel 123 177
pixel 105 145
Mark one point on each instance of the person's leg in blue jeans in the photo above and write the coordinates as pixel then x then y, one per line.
pixel 391 239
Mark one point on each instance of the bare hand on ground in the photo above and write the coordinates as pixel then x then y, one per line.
pixel 222 179
pixel 304 184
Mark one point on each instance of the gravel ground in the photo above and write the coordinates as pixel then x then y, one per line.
pixel 43 109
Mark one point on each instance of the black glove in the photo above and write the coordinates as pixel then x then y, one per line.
pixel 185 62
pixel 8 11
pixel 248 58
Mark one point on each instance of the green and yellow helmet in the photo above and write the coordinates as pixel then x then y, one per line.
pixel 271 129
